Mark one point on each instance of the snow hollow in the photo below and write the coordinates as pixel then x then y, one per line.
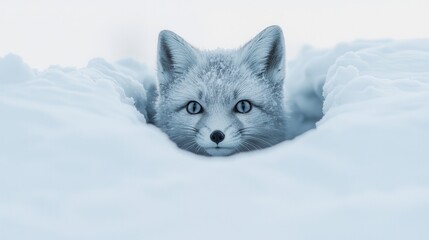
pixel 78 161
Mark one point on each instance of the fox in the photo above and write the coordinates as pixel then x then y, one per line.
pixel 224 101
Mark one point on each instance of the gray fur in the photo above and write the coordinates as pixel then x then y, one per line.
pixel 218 80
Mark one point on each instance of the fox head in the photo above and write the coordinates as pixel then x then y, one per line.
pixel 225 101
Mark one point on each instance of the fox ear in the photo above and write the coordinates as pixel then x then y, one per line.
pixel 175 56
pixel 265 54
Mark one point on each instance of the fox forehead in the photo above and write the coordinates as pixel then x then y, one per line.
pixel 220 78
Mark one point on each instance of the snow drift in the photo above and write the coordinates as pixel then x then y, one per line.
pixel 78 161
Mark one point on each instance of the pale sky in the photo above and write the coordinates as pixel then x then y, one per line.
pixel 70 33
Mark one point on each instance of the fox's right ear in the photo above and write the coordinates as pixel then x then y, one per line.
pixel 175 56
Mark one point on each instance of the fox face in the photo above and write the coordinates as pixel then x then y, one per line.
pixel 222 102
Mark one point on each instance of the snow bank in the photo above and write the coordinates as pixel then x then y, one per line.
pixel 78 161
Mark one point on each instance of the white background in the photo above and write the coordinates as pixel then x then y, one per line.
pixel 70 33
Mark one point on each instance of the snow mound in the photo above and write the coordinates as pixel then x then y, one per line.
pixel 78 161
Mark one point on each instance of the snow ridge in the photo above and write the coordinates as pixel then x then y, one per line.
pixel 78 161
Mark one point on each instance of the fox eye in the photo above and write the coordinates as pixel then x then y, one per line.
pixel 194 107
pixel 243 106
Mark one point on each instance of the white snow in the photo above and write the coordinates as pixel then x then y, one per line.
pixel 78 161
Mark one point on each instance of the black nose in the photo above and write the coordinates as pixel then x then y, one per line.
pixel 217 136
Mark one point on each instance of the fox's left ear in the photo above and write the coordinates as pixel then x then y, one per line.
pixel 265 55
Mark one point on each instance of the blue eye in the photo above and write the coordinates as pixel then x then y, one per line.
pixel 194 107
pixel 243 106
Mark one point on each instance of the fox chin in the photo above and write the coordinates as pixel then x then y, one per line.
pixel 222 102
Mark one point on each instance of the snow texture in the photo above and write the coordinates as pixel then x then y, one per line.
pixel 78 161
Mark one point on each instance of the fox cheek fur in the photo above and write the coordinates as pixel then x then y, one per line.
pixel 224 101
